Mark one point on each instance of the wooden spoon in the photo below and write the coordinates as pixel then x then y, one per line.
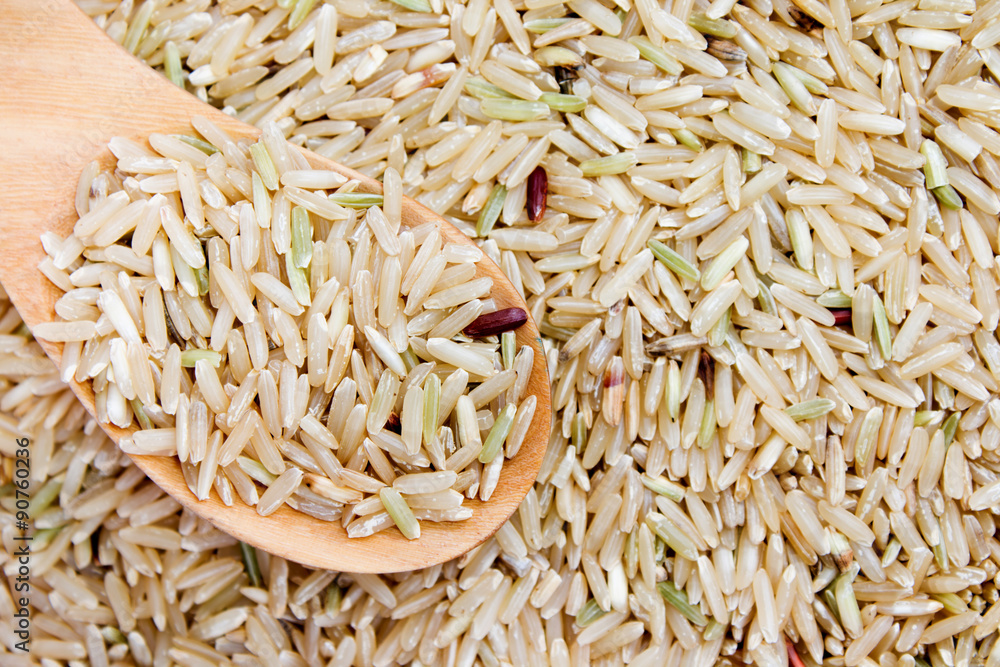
pixel 67 90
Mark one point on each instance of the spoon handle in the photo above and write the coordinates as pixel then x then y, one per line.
pixel 90 88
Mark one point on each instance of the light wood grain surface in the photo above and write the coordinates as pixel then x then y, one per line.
pixel 66 90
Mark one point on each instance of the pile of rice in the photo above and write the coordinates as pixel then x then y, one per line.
pixel 767 281
pixel 312 376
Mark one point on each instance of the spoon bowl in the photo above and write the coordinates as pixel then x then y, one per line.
pixel 67 91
